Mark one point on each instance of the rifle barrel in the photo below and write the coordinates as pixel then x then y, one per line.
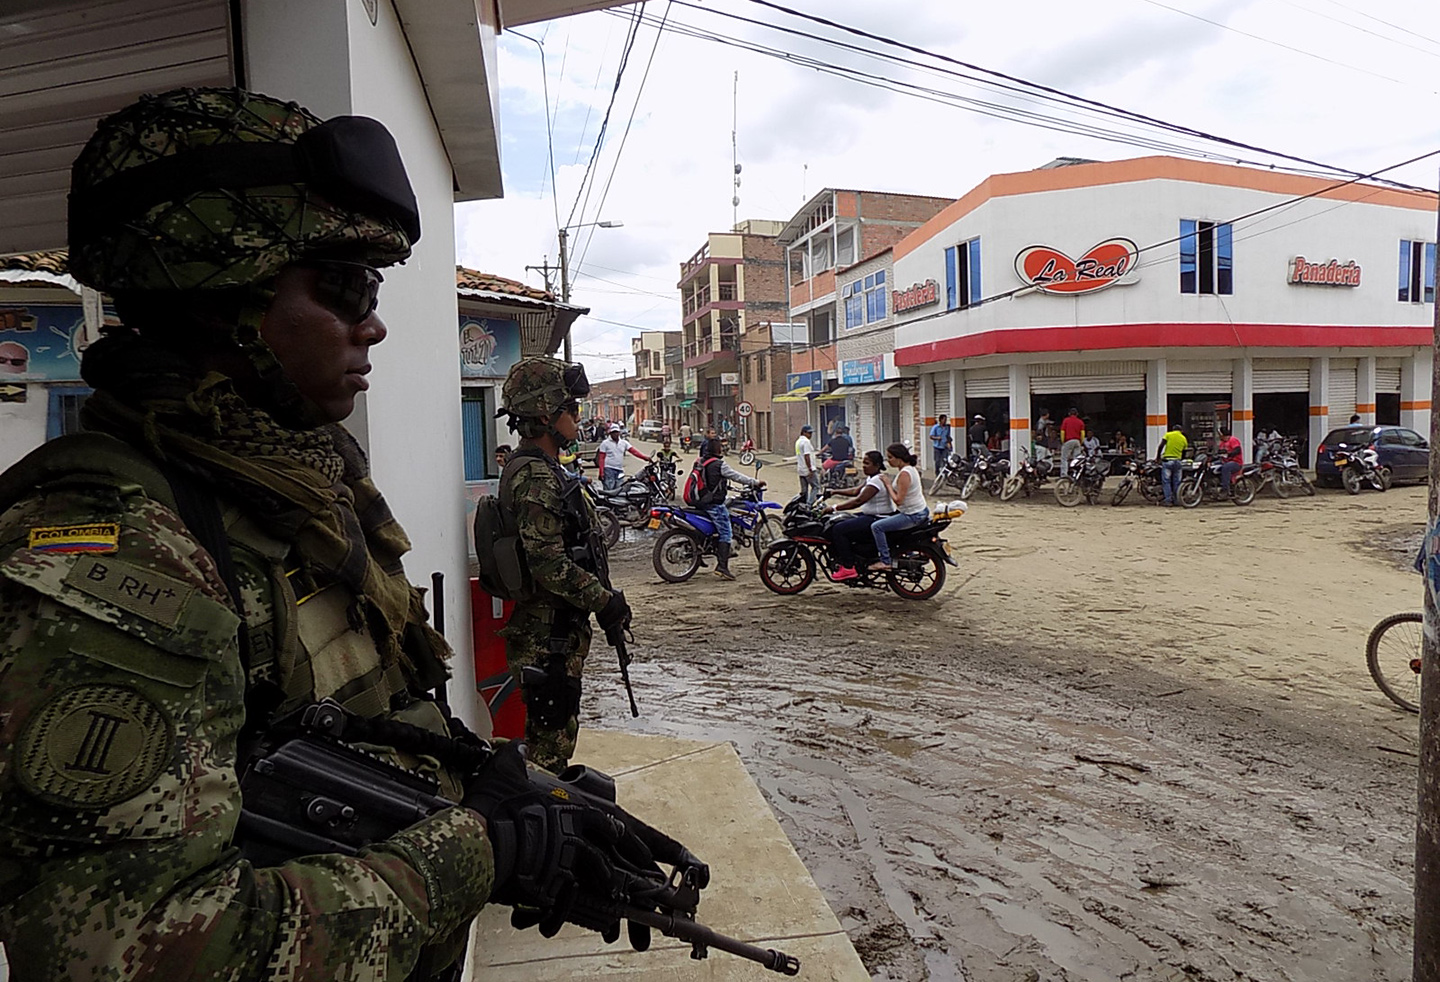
pixel 684 929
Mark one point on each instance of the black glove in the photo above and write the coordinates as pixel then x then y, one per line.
pixel 615 615
pixel 548 850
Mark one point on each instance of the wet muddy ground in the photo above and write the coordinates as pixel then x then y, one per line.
pixel 1123 744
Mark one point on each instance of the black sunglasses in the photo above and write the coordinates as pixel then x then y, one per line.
pixel 570 406
pixel 349 290
pixel 20 362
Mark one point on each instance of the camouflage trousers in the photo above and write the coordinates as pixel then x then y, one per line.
pixel 530 641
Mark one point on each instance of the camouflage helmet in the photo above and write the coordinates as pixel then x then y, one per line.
pixel 204 189
pixel 537 387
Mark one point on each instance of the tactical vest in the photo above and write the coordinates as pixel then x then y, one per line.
pixel 579 528
pixel 300 640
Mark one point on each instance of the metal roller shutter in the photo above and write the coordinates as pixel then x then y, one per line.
pixel 1281 380
pixel 1387 379
pixel 942 394
pixel 1054 378
pixel 993 387
pixel 1212 380
pixel 864 431
pixel 1342 394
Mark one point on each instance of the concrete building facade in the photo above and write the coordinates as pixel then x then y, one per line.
pixel 1140 291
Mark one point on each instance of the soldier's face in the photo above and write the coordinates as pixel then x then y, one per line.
pixel 324 350
pixel 567 424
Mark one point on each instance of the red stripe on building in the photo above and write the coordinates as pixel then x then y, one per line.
pixel 1036 340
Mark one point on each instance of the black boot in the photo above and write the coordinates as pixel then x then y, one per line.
pixel 722 560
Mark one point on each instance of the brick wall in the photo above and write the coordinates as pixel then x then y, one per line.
pixel 883 207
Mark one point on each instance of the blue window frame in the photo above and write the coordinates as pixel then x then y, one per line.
pixel 1207 257
pixel 962 275
pixel 63 414
pixel 1417 272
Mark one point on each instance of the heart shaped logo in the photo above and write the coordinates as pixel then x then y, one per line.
pixel 1054 272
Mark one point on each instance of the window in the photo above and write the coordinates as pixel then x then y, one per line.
pixel 845 247
pixel 854 296
pixel 820 254
pixel 760 368
pixel 962 275
pixel 63 417
pixel 875 297
pixel 655 362
pixel 746 362
pixel 1417 272
pixel 1207 258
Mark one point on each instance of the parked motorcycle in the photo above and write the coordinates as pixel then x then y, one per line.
pixel 988 470
pixel 747 453
pixel 1360 467
pixel 1029 477
pixel 953 474
pixel 1202 481
pixel 608 521
pixel 630 502
pixel 1145 475
pixel 840 474
pixel 690 534
pixel 919 555
pixel 1084 482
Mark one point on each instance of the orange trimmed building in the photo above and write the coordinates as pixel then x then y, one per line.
pixel 1144 290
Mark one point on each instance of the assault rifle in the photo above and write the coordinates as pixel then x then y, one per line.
pixel 309 791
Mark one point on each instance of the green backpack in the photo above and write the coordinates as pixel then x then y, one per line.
pixel 499 552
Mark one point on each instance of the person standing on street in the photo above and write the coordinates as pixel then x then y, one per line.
pixel 805 464
pixel 548 637
pixel 211 554
pixel 1072 431
pixel 1171 454
pixel 976 435
pixel 610 457
pixel 941 440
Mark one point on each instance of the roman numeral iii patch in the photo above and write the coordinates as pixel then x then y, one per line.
pixel 93 746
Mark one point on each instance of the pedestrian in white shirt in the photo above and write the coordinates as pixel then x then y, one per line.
pixel 806 463
pixel 610 457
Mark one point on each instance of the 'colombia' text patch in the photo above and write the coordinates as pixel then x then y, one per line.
pixel 99 537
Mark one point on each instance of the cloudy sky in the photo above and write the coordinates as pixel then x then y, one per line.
pixel 1354 85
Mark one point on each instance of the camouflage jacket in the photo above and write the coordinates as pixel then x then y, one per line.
pixel 536 493
pixel 122 693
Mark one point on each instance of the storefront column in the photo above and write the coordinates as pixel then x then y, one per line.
pixel 1415 392
pixel 1019 415
pixel 1365 390
pixel 1319 404
pixel 1242 404
pixel 1157 397
pixel 958 417
pixel 926 413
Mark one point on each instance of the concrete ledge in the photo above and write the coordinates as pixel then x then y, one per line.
pixel 759 892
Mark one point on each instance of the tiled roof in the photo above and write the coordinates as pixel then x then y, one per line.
pixel 471 279
pixel 55 262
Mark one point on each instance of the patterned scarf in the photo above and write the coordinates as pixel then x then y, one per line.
pixel 307 487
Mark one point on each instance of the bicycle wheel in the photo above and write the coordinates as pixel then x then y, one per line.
pixel 677 555
pixel 1068 492
pixel 1392 654
pixel 1122 491
pixel 787 567
pixel 1012 486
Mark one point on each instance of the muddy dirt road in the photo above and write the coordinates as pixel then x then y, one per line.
pixel 1123 744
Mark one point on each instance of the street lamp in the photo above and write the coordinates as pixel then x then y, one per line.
pixel 565 265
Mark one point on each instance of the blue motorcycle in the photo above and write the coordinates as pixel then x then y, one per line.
pixel 690 536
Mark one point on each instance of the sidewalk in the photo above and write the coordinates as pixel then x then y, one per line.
pixel 760 892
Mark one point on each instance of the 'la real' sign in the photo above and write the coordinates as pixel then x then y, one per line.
pixel 1052 271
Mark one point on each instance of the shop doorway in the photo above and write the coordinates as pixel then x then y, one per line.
pixel 1106 414
pixel 1288 413
pixel 890 421
pixel 997 420
pixel 1387 408
pixel 1201 414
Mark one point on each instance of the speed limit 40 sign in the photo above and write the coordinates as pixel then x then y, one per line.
pixel 744 409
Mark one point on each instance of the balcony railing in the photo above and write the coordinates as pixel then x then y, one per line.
pixel 727 341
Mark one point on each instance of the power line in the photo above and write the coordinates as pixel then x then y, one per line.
pixel 1036 87
pixel 549 126
pixel 585 182
pixel 1366 30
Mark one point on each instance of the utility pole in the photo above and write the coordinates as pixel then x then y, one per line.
pixel 565 279
pixel 545 271
pixel 1427 816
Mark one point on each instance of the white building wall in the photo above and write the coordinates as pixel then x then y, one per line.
pixel 327 56
pixel 22 424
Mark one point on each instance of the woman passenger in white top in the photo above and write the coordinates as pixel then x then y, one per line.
pixel 909 499
pixel 872 499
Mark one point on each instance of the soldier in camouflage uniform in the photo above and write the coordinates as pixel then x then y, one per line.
pixel 147 643
pixel 548 636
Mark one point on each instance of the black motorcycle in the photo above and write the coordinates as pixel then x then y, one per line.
pixel 1030 476
pixel 954 473
pixel 1147 475
pixel 1202 481
pixel 842 475
pixel 918 553
pixel 1360 467
pixel 988 470
pixel 1084 482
